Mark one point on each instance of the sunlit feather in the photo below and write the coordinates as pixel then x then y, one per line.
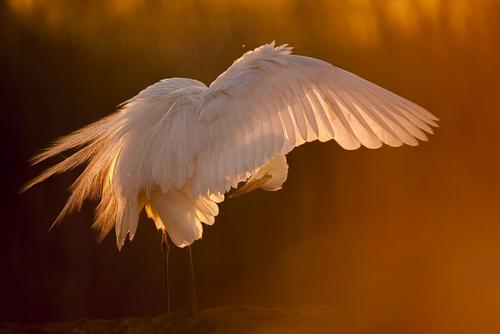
pixel 178 146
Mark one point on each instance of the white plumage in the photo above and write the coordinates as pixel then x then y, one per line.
pixel 178 146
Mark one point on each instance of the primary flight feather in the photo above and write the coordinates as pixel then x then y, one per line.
pixel 178 146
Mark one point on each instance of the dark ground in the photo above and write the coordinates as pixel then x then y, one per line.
pixel 227 320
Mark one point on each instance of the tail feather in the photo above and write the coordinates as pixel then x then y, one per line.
pixel 90 137
pixel 67 164
pixel 75 139
pixel 88 185
pixel 105 215
pixel 93 144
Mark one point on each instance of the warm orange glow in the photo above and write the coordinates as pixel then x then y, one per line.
pixel 359 22
pixel 22 6
pixel 395 239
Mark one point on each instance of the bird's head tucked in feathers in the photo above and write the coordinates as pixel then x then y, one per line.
pixel 178 146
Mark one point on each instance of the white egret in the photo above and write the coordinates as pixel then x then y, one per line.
pixel 178 146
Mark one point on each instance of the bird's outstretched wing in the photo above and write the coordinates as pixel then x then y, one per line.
pixel 178 146
pixel 270 101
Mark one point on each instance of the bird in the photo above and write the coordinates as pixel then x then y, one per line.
pixel 179 147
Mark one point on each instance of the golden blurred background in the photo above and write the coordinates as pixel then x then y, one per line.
pixel 402 240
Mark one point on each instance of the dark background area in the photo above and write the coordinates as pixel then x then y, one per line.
pixel 399 240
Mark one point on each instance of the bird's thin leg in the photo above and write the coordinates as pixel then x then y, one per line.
pixel 165 247
pixel 194 297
